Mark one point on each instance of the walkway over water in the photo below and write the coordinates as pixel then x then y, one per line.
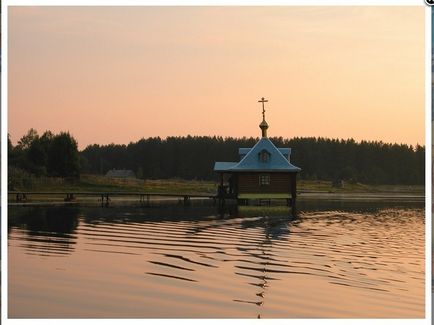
pixel 105 197
pixel 145 197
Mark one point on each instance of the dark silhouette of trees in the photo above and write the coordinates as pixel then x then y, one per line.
pixel 51 155
pixel 193 157
pixel 63 158
pixel 26 140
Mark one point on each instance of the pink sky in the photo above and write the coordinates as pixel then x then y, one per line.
pixel 117 74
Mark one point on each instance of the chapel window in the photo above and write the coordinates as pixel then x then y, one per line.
pixel 264 179
pixel 264 156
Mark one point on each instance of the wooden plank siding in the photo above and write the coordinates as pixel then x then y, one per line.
pixel 279 183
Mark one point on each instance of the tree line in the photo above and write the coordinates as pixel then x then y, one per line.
pixel 193 157
pixel 46 155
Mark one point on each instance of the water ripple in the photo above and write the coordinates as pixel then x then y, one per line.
pixel 261 265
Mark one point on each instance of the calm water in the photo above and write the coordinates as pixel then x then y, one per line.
pixel 335 259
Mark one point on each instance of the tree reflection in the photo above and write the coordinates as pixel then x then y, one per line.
pixel 46 231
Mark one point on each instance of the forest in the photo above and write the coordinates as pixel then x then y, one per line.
pixel 193 157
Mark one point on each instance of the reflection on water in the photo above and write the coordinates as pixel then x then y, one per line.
pixel 49 231
pixel 353 259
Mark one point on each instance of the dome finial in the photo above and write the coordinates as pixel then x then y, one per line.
pixel 263 125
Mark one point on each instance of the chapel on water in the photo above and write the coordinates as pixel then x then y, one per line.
pixel 264 172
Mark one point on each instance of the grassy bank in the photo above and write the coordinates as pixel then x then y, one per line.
pixel 325 186
pixel 96 183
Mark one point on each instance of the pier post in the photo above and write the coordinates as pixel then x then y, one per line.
pixel 69 197
pixel 20 197
pixel 294 209
pixel 293 193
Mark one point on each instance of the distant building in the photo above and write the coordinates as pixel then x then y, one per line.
pixel 263 172
pixel 120 173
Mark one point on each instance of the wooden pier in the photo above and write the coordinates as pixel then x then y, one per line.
pixel 144 198
pixel 105 197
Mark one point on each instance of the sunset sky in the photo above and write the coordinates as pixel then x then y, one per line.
pixel 117 74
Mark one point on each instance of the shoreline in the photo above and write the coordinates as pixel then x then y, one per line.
pixel 90 188
pixel 161 200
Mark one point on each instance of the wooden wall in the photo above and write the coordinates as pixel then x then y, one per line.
pixel 279 183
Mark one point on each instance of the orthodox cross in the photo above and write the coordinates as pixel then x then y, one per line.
pixel 263 100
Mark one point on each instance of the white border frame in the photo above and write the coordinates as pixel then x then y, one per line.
pixel 428 164
pixel 428 152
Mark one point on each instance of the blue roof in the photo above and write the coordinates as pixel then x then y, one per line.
pixel 243 151
pixel 222 166
pixel 284 151
pixel 251 161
